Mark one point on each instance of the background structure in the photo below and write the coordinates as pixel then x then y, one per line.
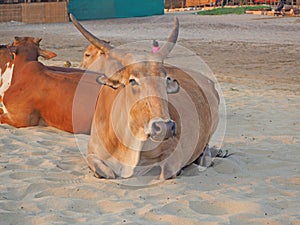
pixel 47 11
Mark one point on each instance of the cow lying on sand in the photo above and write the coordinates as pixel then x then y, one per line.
pixel 139 124
pixel 43 95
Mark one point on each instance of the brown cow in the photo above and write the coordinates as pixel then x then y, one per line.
pixel 41 95
pixel 138 126
pixel 91 54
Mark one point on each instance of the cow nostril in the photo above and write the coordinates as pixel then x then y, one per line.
pixel 161 130
pixel 157 127
pixel 173 128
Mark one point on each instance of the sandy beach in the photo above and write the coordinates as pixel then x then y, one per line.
pixel 44 179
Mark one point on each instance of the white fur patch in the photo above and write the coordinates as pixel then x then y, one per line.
pixel 5 81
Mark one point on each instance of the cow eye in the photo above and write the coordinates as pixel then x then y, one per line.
pixel 168 78
pixel 87 55
pixel 133 82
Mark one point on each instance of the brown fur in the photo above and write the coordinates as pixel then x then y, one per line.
pixel 206 100
pixel 44 95
pixel 108 156
pixel 5 57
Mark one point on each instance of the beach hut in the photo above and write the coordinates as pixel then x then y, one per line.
pixel 102 9
pixel 34 11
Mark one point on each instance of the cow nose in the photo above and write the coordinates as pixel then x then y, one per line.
pixel 161 130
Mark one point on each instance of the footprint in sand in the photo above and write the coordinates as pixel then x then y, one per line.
pixel 224 207
pixel 285 183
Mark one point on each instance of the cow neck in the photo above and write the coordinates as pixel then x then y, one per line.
pixel 19 62
pixel 24 58
pixel 128 157
pixel 117 141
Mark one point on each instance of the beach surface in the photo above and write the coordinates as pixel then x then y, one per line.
pixel 44 178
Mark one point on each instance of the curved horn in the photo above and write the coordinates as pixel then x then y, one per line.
pixel 167 47
pixel 102 45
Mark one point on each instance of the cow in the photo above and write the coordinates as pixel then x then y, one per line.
pixel 43 95
pixel 136 127
pixel 91 54
pixel 6 68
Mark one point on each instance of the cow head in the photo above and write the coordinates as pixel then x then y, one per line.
pixel 143 86
pixel 30 47
pixel 90 55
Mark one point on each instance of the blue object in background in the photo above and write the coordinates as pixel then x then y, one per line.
pixel 103 9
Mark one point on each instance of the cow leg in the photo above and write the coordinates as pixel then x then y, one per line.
pixel 166 173
pixel 99 168
pixel 21 119
pixel 15 121
pixel 162 174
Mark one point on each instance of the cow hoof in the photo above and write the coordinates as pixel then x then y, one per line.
pixel 103 173
pixel 99 168
pixel 163 177
pixel 167 174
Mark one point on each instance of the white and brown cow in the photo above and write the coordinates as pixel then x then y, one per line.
pixel 44 95
pixel 136 126
pixel 6 70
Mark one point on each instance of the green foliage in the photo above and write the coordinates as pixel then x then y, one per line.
pixel 237 10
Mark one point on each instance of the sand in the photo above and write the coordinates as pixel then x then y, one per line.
pixel 45 180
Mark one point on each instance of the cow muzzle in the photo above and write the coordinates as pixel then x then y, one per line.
pixel 161 130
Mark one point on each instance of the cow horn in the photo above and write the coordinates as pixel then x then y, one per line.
pixel 37 40
pixel 102 45
pixel 167 47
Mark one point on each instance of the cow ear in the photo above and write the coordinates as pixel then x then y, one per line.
pixel 12 49
pixel 104 80
pixel 18 39
pixel 37 40
pixel 46 54
pixel 172 86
